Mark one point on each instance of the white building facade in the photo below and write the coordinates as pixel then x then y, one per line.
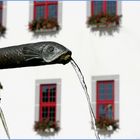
pixel 102 56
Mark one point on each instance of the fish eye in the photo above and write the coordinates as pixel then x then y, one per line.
pixel 50 49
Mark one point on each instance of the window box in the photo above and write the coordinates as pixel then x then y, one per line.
pixel 44 25
pixel 106 124
pixel 103 20
pixel 47 127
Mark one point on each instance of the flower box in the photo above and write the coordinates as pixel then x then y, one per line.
pixel 46 127
pixel 103 20
pixel 44 25
pixel 2 30
pixel 106 124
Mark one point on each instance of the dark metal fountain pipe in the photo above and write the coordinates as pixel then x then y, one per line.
pixel 34 54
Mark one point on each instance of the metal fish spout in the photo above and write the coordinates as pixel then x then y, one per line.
pixel 34 54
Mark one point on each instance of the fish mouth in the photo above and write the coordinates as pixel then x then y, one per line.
pixel 64 58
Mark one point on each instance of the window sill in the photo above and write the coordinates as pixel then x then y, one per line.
pixel 103 26
pixel 46 30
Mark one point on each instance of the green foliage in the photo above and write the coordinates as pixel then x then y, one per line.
pixel 43 24
pixel 45 126
pixel 103 19
pixel 104 123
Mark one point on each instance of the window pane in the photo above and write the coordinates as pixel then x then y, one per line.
pixel 40 12
pixel 110 86
pixel 111 7
pixel 52 93
pixel 105 110
pixel 52 113
pixel 102 86
pixel 101 111
pixel 0 16
pixel 101 91
pixel 105 90
pixel 45 93
pixel 1 2
pixel 109 97
pixel 52 11
pixel 102 97
pixel 109 112
pixel 39 1
pixel 44 112
pixel 109 91
pixel 97 7
pixel 52 99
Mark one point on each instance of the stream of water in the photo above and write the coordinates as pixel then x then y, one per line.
pixel 4 123
pixel 84 86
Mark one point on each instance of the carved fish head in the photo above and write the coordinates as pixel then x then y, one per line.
pixel 53 52
pixel 46 53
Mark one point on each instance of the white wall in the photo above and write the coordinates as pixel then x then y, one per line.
pixel 95 54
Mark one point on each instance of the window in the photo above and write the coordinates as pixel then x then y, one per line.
pixel 2 17
pixel 104 7
pixel 102 14
pixel 45 10
pixel 47 101
pixel 105 97
pixel 45 16
pixel 1 11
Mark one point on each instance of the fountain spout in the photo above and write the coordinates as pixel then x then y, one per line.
pixel 34 54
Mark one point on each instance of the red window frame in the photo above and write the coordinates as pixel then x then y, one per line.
pixel 104 102
pixel 47 104
pixel 104 7
pixel 46 4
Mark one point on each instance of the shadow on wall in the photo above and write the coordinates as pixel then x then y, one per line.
pixel 45 32
pixel 44 134
pixel 106 30
pixel 105 133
